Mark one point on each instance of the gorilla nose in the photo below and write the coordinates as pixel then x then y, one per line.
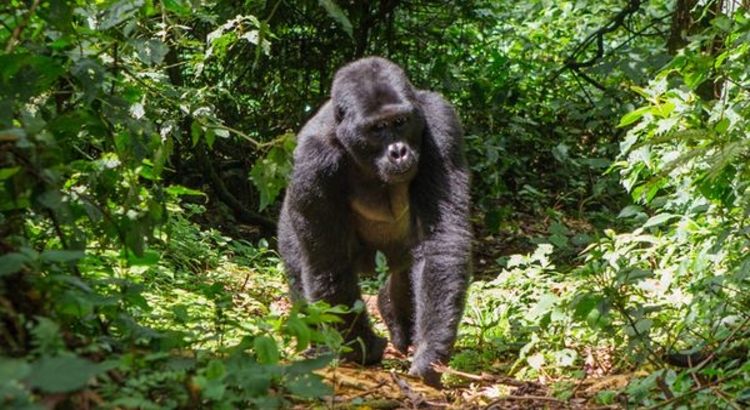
pixel 398 152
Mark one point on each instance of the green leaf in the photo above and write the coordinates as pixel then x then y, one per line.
pixel 309 385
pixel 635 275
pixel 642 326
pixel 269 175
pixel 256 384
pixel 178 7
pixel 630 211
pixel 63 374
pixel 565 357
pixel 13 369
pixel 665 109
pixel 546 302
pixel 61 256
pixel 723 23
pixel 593 318
pixel 297 328
pixel 152 51
pixel 583 305
pixel 310 365
pixel 266 350
pixel 210 389
pixel 560 241
pixel 210 137
pixel 721 127
pixel 179 190
pixel 659 219
pixel 634 116
pixel 12 263
pixel 119 12
pixel 558 229
pixel 149 258
pixel 6 173
pixel 195 132
pixel 215 370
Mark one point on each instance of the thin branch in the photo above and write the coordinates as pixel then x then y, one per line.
pixel 495 404
pixel 258 145
pixel 19 28
pixel 687 394
pixel 267 226
pixel 597 38
pixel 483 377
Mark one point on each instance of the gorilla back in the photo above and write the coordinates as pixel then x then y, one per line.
pixel 380 167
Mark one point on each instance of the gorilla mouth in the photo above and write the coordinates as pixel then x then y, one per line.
pixel 401 173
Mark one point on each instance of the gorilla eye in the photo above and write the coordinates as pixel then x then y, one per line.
pixel 379 126
pixel 399 121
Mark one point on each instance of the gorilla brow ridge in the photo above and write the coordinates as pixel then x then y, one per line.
pixel 376 82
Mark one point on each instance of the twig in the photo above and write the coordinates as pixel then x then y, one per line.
pixel 483 377
pixel 369 391
pixel 674 399
pixel 499 400
pixel 597 38
pixel 406 390
pixel 726 399
pixel 19 28
pixel 257 144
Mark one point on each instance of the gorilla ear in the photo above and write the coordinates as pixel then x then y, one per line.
pixel 340 113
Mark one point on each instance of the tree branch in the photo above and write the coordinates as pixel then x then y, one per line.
pixel 597 37
pixel 19 28
pixel 267 226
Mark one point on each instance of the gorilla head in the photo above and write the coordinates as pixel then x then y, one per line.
pixel 378 122
pixel 380 167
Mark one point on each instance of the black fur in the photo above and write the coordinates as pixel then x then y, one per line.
pixel 381 167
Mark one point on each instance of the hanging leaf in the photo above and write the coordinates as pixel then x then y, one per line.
pixel 335 12
pixel 659 219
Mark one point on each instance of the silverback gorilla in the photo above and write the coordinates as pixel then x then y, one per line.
pixel 381 167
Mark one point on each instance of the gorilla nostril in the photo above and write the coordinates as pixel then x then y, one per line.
pixel 394 151
pixel 398 151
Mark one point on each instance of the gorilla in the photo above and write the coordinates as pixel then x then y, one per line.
pixel 380 167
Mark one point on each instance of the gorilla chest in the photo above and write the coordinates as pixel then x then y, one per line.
pixel 381 217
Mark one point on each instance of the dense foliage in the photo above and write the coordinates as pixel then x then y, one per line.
pixel 144 146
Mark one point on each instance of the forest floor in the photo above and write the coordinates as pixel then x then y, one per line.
pixel 388 387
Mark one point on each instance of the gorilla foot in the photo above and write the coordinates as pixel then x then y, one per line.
pixel 366 353
pixel 428 375
pixel 400 341
pixel 422 367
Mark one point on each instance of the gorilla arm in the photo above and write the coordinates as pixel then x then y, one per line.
pixel 441 272
pixel 317 233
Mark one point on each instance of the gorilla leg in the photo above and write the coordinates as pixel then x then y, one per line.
pixel 367 347
pixel 439 295
pixel 396 306
pixel 342 288
pixel 292 268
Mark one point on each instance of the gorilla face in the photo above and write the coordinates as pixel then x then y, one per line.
pixel 397 139
pixel 378 123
